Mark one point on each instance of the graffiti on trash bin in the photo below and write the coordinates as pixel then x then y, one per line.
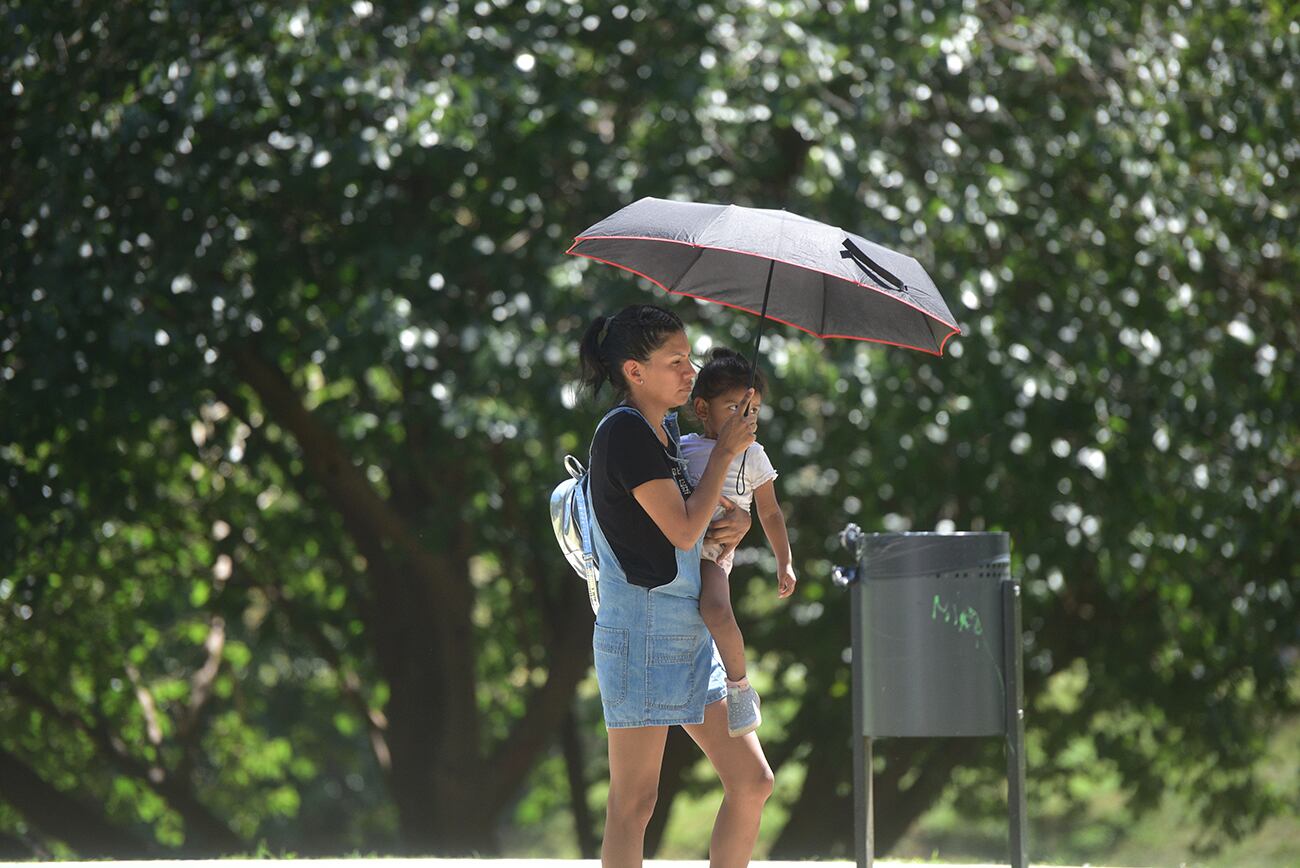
pixel 963 620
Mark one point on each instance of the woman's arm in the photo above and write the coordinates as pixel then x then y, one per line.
pixel 773 521
pixel 683 520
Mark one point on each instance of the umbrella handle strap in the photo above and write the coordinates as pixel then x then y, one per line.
pixel 874 270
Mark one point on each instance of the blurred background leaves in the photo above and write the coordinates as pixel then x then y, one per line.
pixel 287 348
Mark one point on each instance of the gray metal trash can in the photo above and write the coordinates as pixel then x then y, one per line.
pixel 936 652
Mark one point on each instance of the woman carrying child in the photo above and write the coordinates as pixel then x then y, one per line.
pixel 655 663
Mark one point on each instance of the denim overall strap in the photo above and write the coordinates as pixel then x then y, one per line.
pixel 674 432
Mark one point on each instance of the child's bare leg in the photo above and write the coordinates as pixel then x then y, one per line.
pixel 715 609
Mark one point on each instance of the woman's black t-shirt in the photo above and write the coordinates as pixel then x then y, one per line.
pixel 626 453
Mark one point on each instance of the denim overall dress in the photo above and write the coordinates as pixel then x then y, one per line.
pixel 656 663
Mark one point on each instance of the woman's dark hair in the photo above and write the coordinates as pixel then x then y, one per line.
pixel 725 370
pixel 634 332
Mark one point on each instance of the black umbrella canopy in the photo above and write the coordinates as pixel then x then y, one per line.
pixel 825 281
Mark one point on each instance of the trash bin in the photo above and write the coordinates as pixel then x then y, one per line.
pixel 930 606
pixel 936 652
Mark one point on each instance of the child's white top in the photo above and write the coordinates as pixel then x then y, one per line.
pixel 758 468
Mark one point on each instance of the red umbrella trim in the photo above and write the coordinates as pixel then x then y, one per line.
pixel 942 344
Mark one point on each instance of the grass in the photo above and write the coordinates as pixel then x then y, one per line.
pixel 1104 832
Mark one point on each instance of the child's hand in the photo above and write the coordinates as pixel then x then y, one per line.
pixel 785 582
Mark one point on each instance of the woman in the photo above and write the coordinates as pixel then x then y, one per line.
pixel 655 663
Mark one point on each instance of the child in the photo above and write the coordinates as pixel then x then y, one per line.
pixel 720 385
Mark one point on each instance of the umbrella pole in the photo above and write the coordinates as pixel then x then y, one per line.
pixel 753 366
pixel 762 318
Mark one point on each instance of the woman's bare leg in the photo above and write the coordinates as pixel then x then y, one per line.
pixel 635 757
pixel 746 784
pixel 715 609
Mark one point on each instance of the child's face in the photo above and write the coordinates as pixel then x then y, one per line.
pixel 713 412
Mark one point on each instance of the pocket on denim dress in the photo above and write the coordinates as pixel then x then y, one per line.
pixel 670 670
pixel 609 647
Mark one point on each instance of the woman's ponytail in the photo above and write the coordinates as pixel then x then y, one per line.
pixel 595 373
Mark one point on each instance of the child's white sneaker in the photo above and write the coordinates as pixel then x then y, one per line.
pixel 743 716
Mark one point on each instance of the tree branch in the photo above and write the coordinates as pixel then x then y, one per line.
pixel 153 729
pixel 204 832
pixel 63 816
pixel 202 680
pixel 349 681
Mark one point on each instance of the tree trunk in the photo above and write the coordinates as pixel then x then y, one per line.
pixel 820 818
pixel 900 809
pixel 575 768
pixel 419 625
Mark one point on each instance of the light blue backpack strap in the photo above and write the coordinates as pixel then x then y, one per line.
pixel 590 561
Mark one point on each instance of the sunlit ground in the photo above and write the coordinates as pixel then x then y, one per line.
pixel 500 863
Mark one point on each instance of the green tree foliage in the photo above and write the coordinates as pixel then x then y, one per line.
pixel 288 344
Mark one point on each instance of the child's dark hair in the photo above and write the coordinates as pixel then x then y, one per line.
pixel 725 370
pixel 634 332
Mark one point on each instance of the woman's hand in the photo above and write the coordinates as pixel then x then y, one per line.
pixel 729 528
pixel 737 432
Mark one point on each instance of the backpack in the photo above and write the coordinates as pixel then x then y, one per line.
pixel 572 517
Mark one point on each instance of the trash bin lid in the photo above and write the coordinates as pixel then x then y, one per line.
pixel 900 555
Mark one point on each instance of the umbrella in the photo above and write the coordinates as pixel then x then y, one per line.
pixel 776 265
pixel 815 277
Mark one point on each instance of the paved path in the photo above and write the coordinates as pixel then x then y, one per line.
pixel 476 863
